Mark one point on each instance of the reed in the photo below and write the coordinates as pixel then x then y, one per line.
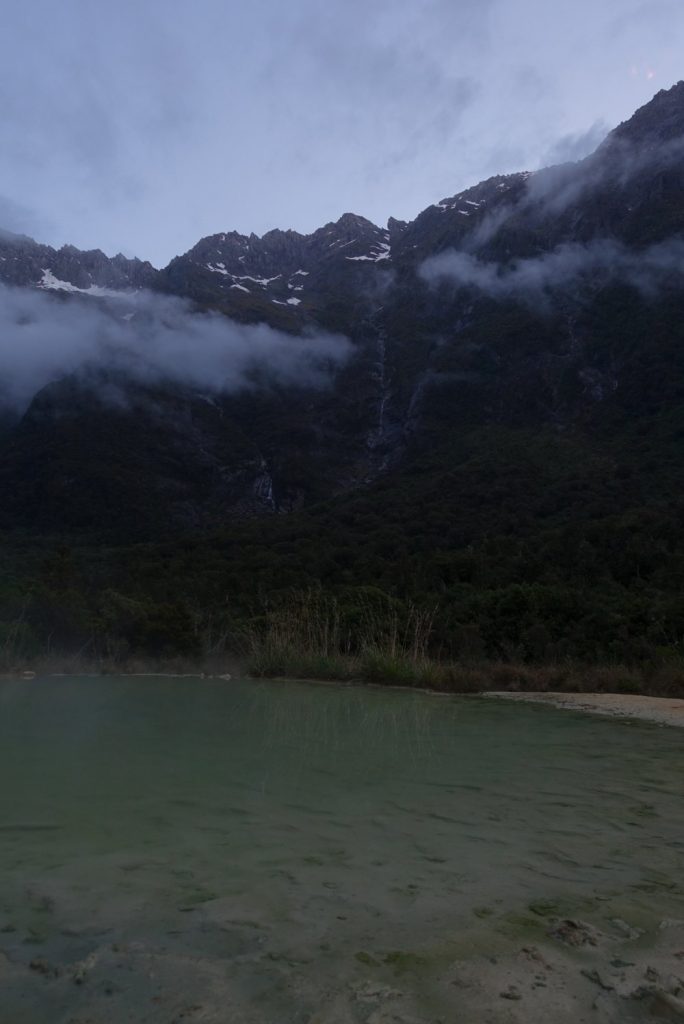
pixel 309 637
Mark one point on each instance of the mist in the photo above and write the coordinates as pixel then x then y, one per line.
pixel 553 190
pixel 535 280
pixel 150 339
pixel 615 163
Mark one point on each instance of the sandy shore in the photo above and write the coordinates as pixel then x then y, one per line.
pixel 661 710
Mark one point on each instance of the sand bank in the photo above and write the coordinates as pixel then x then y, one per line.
pixel 661 710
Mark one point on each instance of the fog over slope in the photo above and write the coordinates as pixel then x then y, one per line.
pixel 531 280
pixel 149 338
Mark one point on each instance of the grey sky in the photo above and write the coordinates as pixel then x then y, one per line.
pixel 143 125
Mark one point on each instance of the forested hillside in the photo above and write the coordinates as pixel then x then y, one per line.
pixel 484 420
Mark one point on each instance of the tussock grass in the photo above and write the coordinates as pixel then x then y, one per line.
pixel 307 638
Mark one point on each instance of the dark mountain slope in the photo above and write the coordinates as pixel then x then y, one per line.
pixel 25 262
pixel 504 446
pixel 284 277
pixel 583 353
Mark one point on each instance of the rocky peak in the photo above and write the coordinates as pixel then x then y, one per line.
pixel 26 262
pixel 280 271
pixel 396 227
pixel 661 119
pixel 354 222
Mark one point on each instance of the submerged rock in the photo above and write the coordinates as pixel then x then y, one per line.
pixel 575 933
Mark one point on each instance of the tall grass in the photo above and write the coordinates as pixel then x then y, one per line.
pixel 310 637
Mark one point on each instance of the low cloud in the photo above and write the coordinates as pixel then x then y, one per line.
pixel 576 145
pixel 550 192
pixel 17 220
pixel 150 339
pixel 535 280
pixel 616 162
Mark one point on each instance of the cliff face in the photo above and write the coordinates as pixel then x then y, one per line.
pixel 549 302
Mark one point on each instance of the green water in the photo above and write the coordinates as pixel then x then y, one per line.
pixel 258 851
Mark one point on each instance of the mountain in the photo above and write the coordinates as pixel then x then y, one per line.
pixel 427 359
pixel 515 386
pixel 315 276
pixel 25 262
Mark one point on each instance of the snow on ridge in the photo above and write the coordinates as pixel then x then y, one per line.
pixel 294 287
pixel 343 245
pixel 220 268
pixel 52 283
pixel 241 288
pixel 257 280
pixel 453 204
pixel 373 257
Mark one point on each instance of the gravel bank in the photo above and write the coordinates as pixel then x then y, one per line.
pixel 661 710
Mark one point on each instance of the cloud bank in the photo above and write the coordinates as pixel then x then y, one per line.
pixel 150 339
pixel 534 280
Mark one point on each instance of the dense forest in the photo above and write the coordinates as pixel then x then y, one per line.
pixel 497 466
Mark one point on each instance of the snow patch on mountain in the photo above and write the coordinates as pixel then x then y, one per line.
pixel 379 251
pixel 263 281
pixel 52 283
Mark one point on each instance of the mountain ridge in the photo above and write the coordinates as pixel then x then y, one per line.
pixel 660 119
pixel 503 445
pixel 429 357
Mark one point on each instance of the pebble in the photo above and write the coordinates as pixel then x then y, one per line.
pixel 671 1003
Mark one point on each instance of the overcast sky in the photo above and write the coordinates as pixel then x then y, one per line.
pixel 141 125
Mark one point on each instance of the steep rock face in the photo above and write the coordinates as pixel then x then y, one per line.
pixel 658 121
pixel 629 189
pixel 165 456
pixel 435 361
pixel 25 262
pixel 284 277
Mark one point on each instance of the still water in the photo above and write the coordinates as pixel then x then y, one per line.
pixel 194 850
